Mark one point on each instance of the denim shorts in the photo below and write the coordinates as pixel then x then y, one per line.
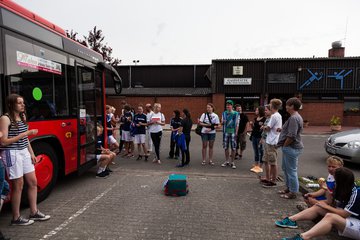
pixel 4 185
pixel 208 137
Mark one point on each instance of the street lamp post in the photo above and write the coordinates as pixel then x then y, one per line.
pixel 130 75
pixel 136 62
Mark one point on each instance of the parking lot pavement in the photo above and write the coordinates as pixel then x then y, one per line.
pixel 222 204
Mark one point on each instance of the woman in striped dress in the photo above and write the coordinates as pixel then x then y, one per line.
pixel 19 159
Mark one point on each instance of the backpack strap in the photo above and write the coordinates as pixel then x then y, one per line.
pixel 208 115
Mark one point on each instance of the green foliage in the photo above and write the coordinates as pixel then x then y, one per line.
pixel 335 120
pixel 95 41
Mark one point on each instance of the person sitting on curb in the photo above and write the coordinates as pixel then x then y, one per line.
pixel 327 186
pixel 103 156
pixel 341 211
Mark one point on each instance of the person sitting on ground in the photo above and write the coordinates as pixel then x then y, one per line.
pixel 326 186
pixel 103 156
pixel 341 211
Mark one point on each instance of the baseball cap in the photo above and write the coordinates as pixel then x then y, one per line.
pixel 230 102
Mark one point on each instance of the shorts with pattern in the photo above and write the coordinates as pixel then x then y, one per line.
pixel 229 139
pixel 270 154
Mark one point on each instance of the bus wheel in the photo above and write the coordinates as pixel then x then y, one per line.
pixel 46 169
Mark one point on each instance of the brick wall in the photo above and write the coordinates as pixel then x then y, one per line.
pixel 351 120
pixel 218 99
pixel 317 113
pixel 320 113
pixel 196 105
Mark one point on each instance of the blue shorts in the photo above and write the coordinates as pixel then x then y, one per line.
pixel 205 137
pixel 229 139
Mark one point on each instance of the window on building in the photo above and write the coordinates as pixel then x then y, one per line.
pixel 248 103
pixel 352 105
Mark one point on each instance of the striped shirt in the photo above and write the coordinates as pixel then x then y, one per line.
pixel 15 131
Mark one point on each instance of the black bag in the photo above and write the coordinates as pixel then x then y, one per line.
pixel 198 129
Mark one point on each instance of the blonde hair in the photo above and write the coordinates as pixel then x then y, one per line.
pixel 99 127
pixel 335 160
pixel 275 103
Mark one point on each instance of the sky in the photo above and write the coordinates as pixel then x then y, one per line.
pixel 197 31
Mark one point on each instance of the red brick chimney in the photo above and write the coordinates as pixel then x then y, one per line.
pixel 337 50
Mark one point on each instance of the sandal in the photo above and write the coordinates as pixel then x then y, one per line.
pixel 285 191
pixel 211 163
pixel 288 195
pixel 203 163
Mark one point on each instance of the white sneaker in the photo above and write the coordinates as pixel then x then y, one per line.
pixel 225 164
pixel 233 166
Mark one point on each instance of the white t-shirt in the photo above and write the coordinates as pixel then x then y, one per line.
pixel 155 117
pixel 214 120
pixel 275 122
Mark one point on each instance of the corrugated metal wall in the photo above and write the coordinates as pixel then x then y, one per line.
pixel 165 76
pixel 313 76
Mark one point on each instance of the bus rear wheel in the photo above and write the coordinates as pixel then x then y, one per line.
pixel 46 168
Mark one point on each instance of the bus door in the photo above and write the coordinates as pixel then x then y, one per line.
pixel 86 96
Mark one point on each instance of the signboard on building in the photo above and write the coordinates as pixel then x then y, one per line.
pixel 237 81
pixel 238 70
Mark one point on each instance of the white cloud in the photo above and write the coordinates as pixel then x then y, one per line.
pixel 170 32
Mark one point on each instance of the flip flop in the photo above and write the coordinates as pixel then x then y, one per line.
pixel 289 195
pixel 285 191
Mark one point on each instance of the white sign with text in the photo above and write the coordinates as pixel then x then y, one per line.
pixel 237 81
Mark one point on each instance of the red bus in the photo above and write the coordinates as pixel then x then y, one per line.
pixel 63 85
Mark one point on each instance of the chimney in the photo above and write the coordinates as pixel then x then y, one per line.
pixel 337 50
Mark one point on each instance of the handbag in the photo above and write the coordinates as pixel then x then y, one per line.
pixel 198 129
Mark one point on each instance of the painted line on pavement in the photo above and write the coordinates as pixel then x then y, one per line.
pixel 78 213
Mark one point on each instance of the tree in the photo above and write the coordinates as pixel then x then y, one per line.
pixel 94 41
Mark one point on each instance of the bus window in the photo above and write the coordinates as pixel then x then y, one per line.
pixel 34 74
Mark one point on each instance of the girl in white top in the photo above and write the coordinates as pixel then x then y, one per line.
pixel 155 122
pixel 209 121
